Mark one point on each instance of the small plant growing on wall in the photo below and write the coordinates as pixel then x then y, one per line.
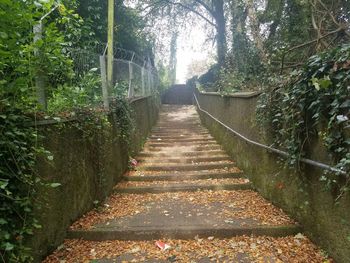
pixel 314 104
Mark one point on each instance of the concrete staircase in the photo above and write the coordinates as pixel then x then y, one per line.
pixel 184 187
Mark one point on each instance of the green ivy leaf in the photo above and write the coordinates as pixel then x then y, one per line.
pixel 3 184
pixel 315 83
pixel 325 82
pixel 3 221
pixel 54 185
pixel 8 246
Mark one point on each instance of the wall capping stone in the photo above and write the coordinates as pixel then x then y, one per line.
pixel 59 120
pixel 243 94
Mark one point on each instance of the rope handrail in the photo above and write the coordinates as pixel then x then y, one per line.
pixel 269 148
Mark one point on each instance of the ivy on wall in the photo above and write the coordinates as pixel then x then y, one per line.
pixel 18 181
pixel 315 104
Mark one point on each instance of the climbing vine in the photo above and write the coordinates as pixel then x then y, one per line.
pixel 315 104
pixel 18 181
pixel 122 117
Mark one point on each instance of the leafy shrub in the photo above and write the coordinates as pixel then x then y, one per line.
pixel 86 93
pixel 315 103
pixel 121 89
pixel 18 152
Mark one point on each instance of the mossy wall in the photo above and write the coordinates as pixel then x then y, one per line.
pixel 88 162
pixel 299 192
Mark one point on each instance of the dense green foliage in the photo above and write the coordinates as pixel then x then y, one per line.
pixel 129 30
pixel 18 153
pixel 72 87
pixel 19 144
pixel 314 104
pixel 270 38
pixel 19 66
pixel 291 49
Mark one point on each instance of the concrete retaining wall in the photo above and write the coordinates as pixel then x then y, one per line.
pixel 87 163
pixel 178 94
pixel 299 193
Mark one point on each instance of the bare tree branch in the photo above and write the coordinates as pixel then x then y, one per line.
pixel 211 11
pixel 317 28
pixel 193 11
pixel 309 43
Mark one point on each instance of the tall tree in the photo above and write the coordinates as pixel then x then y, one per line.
pixel 173 58
pixel 210 11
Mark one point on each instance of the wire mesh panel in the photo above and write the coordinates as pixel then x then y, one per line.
pixel 132 80
pixel 133 75
pixel 120 77
pixel 136 81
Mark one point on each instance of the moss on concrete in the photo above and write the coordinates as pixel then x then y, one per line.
pixel 300 193
pixel 87 163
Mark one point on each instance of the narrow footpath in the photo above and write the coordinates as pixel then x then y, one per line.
pixel 188 194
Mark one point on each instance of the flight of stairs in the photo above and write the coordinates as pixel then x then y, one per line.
pixel 185 190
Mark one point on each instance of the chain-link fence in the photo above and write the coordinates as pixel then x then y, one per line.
pixel 133 75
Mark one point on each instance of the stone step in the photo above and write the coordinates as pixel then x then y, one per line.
pixel 181 232
pixel 238 249
pixel 179 129
pixel 204 148
pixel 185 154
pixel 186 167
pixel 179 137
pixel 183 159
pixel 183 215
pixel 181 143
pixel 184 176
pixel 182 188
pixel 165 119
pixel 183 123
pixel 179 124
pixel 172 133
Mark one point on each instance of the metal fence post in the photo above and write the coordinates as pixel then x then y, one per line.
pixel 39 75
pixel 110 51
pixel 104 83
pixel 131 88
pixel 149 77
pixel 143 81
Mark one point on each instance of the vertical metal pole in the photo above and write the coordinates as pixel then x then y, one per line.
pixel 149 76
pixel 110 52
pixel 143 81
pixel 104 83
pixel 39 74
pixel 131 89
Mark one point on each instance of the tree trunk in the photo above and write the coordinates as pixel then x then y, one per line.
pixel 254 25
pixel 218 14
pixel 173 59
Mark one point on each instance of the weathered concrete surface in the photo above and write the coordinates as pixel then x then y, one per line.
pixel 188 187
pixel 195 224
pixel 87 163
pixel 301 194
pixel 178 94
pixel 199 175
pixel 183 218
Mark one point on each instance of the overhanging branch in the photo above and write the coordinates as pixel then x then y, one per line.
pixel 193 11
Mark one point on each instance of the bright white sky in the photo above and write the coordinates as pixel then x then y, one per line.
pixel 192 46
